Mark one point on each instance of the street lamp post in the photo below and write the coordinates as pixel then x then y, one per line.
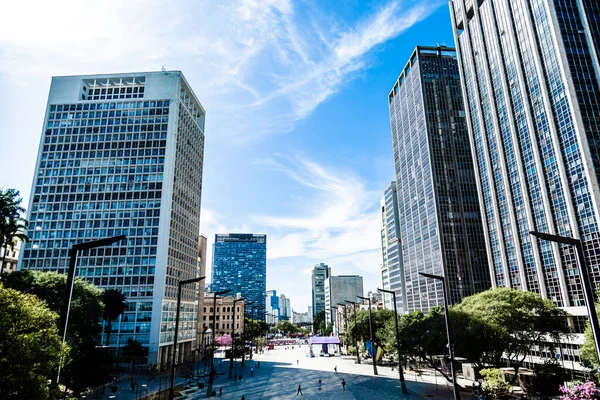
pixel 373 348
pixel 211 378
pixel 66 306
pixel 355 335
pixel 450 352
pixel 258 308
pixel 400 372
pixel 345 325
pixel 174 359
pixel 583 272
pixel 244 334
pixel 233 338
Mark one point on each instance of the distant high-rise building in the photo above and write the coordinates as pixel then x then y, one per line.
pixel 285 308
pixel 123 154
pixel 531 80
pixel 319 274
pixel 439 218
pixel 272 307
pixel 338 289
pixel 392 270
pixel 240 264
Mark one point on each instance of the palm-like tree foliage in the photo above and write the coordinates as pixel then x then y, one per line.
pixel 12 225
pixel 115 304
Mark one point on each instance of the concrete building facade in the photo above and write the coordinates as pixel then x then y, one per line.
pixel 124 154
pixel 320 273
pixel 338 289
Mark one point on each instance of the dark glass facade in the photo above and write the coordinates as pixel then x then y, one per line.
pixel 319 274
pixel 530 72
pixel 439 217
pixel 240 264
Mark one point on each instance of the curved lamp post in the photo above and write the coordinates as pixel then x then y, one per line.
pixel 66 306
pixel 450 353
pixel 174 360
pixel 583 272
pixel 400 372
pixel 211 379
pixel 355 335
pixel 233 339
pixel 373 348
pixel 244 334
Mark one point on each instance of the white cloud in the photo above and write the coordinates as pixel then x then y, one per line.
pixel 258 66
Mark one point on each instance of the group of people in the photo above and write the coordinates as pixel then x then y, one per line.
pixel 320 386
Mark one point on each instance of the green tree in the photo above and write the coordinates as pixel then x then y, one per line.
pixel 286 327
pixel 30 346
pixel 587 352
pixel 494 383
pixel 516 320
pixel 84 323
pixel 115 304
pixel 12 224
pixel 86 305
pixel 319 323
pixel 379 320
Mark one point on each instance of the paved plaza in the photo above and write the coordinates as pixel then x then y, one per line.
pixel 281 371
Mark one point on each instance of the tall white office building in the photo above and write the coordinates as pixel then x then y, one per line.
pixel 123 154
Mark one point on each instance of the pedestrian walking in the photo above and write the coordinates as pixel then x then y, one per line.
pixel 335 369
pixel 343 384
pixel 259 364
pixel 297 362
pixel 319 384
pixel 299 392
pixel 251 371
pixel 221 391
pixel 240 378
pixel 243 397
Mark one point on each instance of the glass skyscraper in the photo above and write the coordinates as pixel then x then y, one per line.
pixel 530 72
pixel 240 264
pixel 439 217
pixel 392 271
pixel 123 154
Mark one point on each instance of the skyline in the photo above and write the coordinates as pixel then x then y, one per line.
pixel 297 123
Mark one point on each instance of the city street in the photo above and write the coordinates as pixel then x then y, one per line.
pixel 281 371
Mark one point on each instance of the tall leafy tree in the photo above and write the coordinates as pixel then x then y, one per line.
pixel 30 346
pixel 12 224
pixel 115 304
pixel 84 322
pixel 319 322
pixel 519 320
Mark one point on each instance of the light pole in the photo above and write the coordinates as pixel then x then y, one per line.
pixel 66 306
pixel 174 360
pixel 355 335
pixel 211 378
pixel 400 372
pixel 258 308
pixel 450 353
pixel 244 334
pixel 583 272
pixel 233 338
pixel 373 347
pixel 345 325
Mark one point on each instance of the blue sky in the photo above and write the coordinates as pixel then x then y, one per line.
pixel 298 144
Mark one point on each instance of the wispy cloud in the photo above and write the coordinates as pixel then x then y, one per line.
pixel 257 65
pixel 339 217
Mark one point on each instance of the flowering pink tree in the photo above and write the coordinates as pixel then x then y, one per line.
pixel 580 391
pixel 224 340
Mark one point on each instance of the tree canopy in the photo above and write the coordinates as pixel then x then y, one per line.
pixel 86 305
pixel 319 323
pixel 12 224
pixel 286 327
pixel 30 346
